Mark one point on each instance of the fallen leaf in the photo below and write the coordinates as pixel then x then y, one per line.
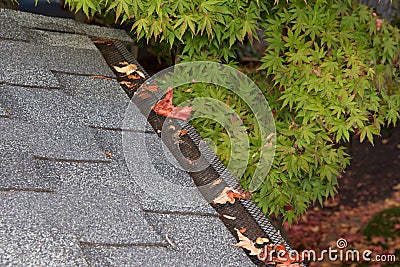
pixel 102 41
pixel 229 217
pixel 141 74
pixel 182 113
pixel 396 187
pixel 246 243
pixel 183 132
pixel 144 95
pixel 170 241
pixel 127 70
pixel 217 182
pixel 242 230
pixel 108 154
pixel 8 111
pixel 100 77
pixel 165 108
pixel 152 88
pixel 262 241
pixel 230 195
pixel 127 83
pixel 134 76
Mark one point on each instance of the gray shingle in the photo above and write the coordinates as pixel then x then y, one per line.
pixel 200 235
pixel 158 185
pixel 17 166
pixel 62 39
pixel 3 112
pixel 61 25
pixel 102 103
pixel 37 105
pixel 64 59
pixel 116 177
pixel 92 88
pixel 13 31
pixel 141 256
pixel 98 216
pixel 28 76
pixel 65 142
pixel 54 141
pixel 38 247
pixel 84 176
pixel 146 147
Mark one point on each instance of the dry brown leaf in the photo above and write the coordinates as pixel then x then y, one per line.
pixel 246 243
pixel 102 41
pixel 229 217
pixel 108 154
pixel 141 74
pixel 183 132
pixel 167 109
pixel 127 70
pixel 217 182
pixel 229 194
pixel 100 77
pixel 144 95
pixel 396 187
pixel 134 76
pixel 152 88
pixel 262 240
pixel 223 197
pixel 127 84
pixel 243 230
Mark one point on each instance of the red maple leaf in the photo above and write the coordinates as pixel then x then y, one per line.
pixel 165 108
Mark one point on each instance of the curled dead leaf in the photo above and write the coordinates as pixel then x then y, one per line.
pixel 108 154
pixel 165 108
pixel 100 77
pixel 127 70
pixel 102 41
pixel 217 182
pixel 229 194
pixel 247 244
pixel 183 132
pixel 152 88
pixel 141 74
pixel 144 95
pixel 127 83
pixel 134 76
pixel 229 217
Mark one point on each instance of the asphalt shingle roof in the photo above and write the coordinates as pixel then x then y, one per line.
pixel 69 195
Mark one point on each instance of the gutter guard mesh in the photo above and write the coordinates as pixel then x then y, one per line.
pixel 247 213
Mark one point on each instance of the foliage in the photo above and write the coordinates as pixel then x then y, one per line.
pixel 328 72
pixel 334 74
pixel 189 26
